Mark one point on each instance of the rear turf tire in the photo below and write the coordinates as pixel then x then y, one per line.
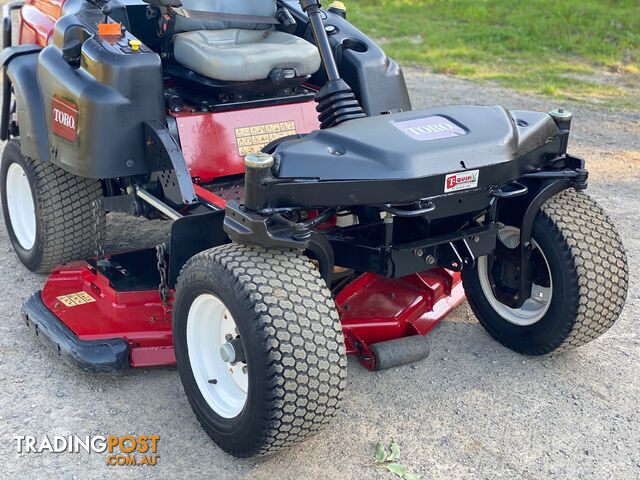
pixel 57 225
pixel 291 337
pixel 588 273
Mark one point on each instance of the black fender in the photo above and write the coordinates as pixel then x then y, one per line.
pixel 20 69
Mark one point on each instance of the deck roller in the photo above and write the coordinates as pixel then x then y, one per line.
pixel 399 351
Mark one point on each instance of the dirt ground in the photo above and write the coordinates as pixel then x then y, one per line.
pixel 472 410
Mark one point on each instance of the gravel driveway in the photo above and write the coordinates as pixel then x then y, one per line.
pixel 472 410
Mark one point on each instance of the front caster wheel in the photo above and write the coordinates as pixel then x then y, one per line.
pixel 579 273
pixel 259 347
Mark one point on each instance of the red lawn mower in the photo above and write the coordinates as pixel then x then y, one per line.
pixel 314 213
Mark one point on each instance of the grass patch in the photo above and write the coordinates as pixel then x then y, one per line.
pixel 587 50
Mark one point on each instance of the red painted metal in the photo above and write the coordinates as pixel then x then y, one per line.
pixel 372 309
pixel 139 317
pixel 208 196
pixel 210 140
pixel 375 309
pixel 38 18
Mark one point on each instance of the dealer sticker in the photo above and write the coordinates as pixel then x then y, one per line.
pixel 430 128
pixel 461 181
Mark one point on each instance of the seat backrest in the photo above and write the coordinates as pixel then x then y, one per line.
pixel 264 8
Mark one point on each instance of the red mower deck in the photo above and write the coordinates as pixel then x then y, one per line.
pixel 79 306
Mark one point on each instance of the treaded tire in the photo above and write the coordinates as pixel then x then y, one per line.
pixel 64 222
pixel 589 274
pixel 291 336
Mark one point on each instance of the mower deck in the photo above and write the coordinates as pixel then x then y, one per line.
pixel 109 317
pixel 98 303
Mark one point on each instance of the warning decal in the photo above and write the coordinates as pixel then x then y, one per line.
pixel 252 139
pixel 75 299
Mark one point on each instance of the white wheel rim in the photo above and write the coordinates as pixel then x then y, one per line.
pixel 223 385
pixel 22 212
pixel 533 308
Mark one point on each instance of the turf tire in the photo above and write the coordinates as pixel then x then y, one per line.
pixel 589 273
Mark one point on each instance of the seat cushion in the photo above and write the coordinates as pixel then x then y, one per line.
pixel 237 55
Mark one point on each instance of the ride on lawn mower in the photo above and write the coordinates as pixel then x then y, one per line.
pixel 314 213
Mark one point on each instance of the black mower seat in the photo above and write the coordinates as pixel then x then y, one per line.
pixel 416 144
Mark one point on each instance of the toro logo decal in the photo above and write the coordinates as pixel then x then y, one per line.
pixel 461 180
pixel 430 128
pixel 64 118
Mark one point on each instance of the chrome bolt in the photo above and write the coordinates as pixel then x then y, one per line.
pixel 430 260
pixel 476 239
pixel 418 252
pixel 228 337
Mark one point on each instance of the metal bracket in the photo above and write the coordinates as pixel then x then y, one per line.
pixel 277 232
pixel 165 160
pixel 550 188
pixel 127 203
pixel 251 228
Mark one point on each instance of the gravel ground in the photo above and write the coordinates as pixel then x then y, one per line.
pixel 472 410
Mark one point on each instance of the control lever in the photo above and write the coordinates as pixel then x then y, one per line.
pixel 336 101
pixel 312 9
pixel 106 11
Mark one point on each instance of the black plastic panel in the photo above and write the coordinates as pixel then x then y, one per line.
pixel 376 149
pixel 115 91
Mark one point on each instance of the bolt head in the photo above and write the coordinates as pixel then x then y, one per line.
pixel 430 260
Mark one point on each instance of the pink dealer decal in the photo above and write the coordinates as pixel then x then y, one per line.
pixel 430 128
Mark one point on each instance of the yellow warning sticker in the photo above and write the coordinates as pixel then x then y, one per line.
pixel 252 139
pixel 75 299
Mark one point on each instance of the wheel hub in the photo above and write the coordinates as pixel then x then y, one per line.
pixel 216 356
pixel 537 305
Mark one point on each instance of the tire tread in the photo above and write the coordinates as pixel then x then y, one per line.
pixel 298 322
